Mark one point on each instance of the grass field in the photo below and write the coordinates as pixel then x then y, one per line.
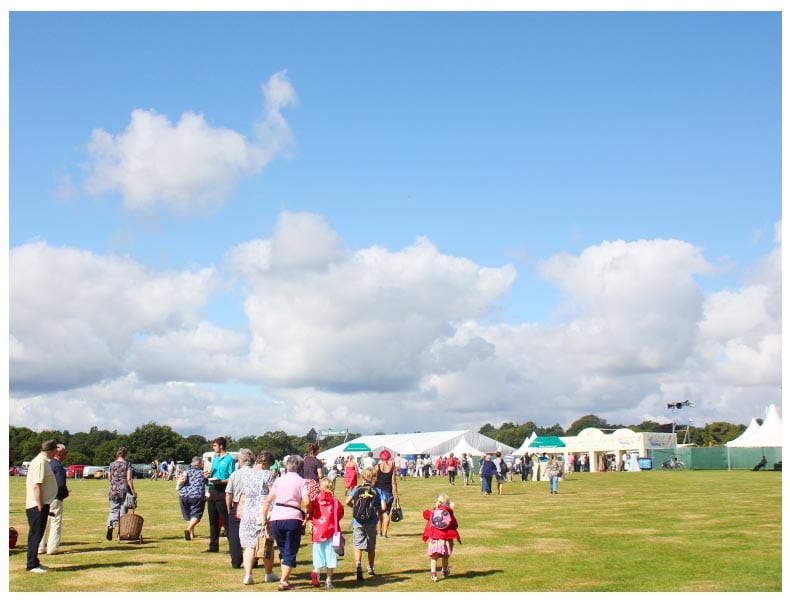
pixel 704 531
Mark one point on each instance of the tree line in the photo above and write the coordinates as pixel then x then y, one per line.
pixel 151 442
pixel 713 434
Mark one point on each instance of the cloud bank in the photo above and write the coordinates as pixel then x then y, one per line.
pixel 384 340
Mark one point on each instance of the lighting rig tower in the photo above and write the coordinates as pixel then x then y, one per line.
pixel 678 406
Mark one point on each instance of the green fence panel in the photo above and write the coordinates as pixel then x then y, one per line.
pixel 719 457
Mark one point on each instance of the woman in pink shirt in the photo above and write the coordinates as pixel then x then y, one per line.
pixel 289 500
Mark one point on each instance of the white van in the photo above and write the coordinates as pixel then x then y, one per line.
pixel 208 456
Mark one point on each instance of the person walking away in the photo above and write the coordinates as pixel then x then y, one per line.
pixel 121 476
pixel 312 467
pixel 265 462
pixel 255 484
pixel 487 472
pixel 554 471
pixel 387 484
pixel 452 468
pixel 326 512
pixel 191 486
pixel 55 520
pixel 222 465
pixel 289 501
pixel 350 474
pixel 41 488
pixel 441 531
pixel 367 503
pixel 501 471
pixel 233 492
pixel 465 468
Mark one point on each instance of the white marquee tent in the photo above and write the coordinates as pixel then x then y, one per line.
pixel 434 443
pixel 767 435
pixel 524 448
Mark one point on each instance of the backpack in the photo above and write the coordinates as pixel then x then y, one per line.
pixel 440 518
pixel 365 507
pixel 502 467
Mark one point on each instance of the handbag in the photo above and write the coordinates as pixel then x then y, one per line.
pixel 338 541
pixel 265 545
pixel 396 514
pixel 130 502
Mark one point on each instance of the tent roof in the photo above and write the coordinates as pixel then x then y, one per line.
pixel 524 447
pixel 464 447
pixel 547 441
pixel 356 447
pixel 768 435
pixel 433 443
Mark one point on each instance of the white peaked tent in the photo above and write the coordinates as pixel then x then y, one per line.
pixel 524 448
pixel 767 435
pixel 464 447
pixel 433 443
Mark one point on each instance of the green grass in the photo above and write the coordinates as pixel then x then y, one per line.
pixel 652 531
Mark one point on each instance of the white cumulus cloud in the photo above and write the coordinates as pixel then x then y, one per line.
pixel 190 165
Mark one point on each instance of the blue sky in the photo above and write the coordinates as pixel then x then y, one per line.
pixel 487 167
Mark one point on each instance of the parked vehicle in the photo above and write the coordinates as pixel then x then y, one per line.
pixel 141 470
pixel 74 471
pixel 19 469
pixel 93 472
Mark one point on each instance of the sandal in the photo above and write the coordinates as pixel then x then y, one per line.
pixel 284 586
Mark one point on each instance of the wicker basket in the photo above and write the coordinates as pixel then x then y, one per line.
pixel 130 527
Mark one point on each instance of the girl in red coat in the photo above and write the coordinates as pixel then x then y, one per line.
pixel 440 532
pixel 326 511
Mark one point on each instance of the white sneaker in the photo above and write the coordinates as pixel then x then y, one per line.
pixel 247 580
pixel 38 569
pixel 271 577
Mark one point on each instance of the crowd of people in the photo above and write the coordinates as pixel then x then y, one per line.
pixel 259 503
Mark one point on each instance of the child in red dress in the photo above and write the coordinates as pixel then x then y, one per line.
pixel 440 532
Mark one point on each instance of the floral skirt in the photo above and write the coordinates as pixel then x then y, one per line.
pixel 440 548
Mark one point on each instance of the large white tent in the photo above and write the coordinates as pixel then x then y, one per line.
pixel 767 435
pixel 524 448
pixel 433 443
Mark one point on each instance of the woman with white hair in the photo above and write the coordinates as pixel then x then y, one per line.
pixel 289 500
pixel 255 484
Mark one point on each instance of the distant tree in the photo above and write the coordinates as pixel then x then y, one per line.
pixel 585 422
pixel 651 426
pixel 487 429
pixel 151 441
pixel 106 453
pixel 719 432
pixel 555 429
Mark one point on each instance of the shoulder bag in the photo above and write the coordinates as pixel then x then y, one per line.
pixel 338 541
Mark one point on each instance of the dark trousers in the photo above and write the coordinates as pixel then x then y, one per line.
pixel 216 510
pixel 232 529
pixel 37 521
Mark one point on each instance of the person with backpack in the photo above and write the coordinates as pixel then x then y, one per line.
pixel 440 532
pixel 367 503
pixel 501 471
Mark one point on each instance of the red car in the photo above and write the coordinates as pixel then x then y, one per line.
pixel 74 471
